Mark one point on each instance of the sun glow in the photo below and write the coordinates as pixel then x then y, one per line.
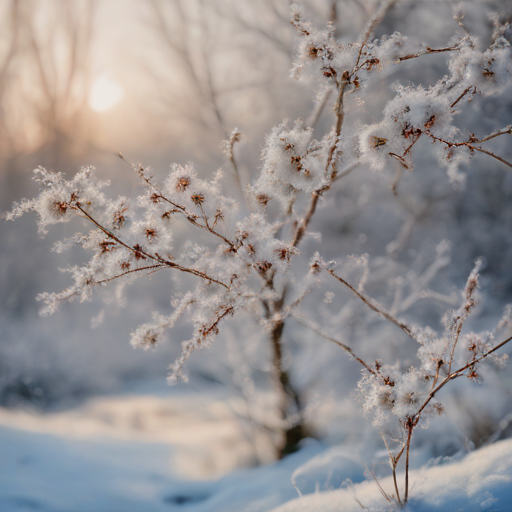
pixel 104 94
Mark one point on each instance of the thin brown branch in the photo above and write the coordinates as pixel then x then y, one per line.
pixel 436 378
pixel 400 453
pixel 499 158
pixel 504 131
pixel 458 373
pixel 478 359
pixel 396 485
pixel 410 428
pixel 412 421
pixel 374 306
pixel 396 181
pixel 304 222
pixel 461 320
pixel 393 461
pixel 140 269
pixel 376 17
pixel 370 26
pixel 339 111
pixel 376 480
pixel 194 272
pixel 462 95
pixel 470 144
pixel 109 233
pixel 372 23
pixel 408 149
pixel 190 217
pixel 213 326
pixel 336 342
pixel 428 51
pixel 156 258
pixel 400 159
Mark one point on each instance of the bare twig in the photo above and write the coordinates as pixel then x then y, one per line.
pixel 470 143
pixel 394 461
pixel 345 347
pixel 462 95
pixel 504 131
pixel 375 306
pixel 139 269
pixel 429 51
pixel 376 480
pixel 490 153
pixel 410 428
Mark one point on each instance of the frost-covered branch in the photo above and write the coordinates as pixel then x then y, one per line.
pixel 408 395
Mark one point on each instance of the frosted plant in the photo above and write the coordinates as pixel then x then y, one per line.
pixel 250 261
pixel 401 400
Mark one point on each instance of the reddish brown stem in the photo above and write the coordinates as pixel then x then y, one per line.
pixel 410 428
pixel 190 217
pixel 339 343
pixel 470 144
pixel 156 258
pixel 140 269
pixel 374 306
pixel 461 96
pixel 428 51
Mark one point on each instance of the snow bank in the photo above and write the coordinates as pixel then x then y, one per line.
pixel 131 453
pixel 479 481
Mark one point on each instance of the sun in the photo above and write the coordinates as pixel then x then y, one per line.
pixel 104 94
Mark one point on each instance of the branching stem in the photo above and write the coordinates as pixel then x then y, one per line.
pixel 412 421
pixel 315 195
pixel 139 269
pixel 156 258
pixel 429 51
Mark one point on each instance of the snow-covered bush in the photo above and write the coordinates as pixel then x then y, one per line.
pixel 252 260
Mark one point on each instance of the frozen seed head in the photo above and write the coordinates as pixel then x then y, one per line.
pixel 146 337
pixel 197 199
pixel 182 183
pixel 387 398
pixel 58 209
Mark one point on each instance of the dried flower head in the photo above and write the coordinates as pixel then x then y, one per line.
pixel 197 199
pixel 182 183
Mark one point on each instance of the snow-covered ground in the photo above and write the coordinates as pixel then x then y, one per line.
pixel 149 453
pixel 482 480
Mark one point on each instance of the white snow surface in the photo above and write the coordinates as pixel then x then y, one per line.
pixel 479 481
pixel 147 453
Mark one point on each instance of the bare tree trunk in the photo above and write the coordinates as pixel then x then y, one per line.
pixel 293 433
